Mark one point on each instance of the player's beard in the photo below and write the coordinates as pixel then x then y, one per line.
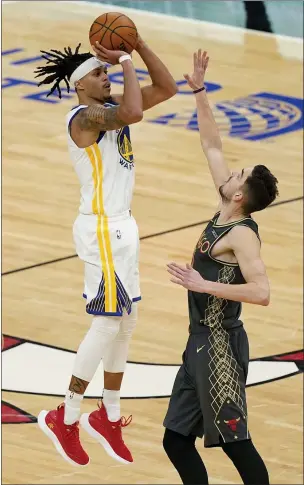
pixel 225 199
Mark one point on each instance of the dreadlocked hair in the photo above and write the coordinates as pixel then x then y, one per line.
pixel 62 65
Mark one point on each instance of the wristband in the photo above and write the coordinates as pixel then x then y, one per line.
pixel 199 90
pixel 126 57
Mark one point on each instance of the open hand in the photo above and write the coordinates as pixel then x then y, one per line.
pixel 106 55
pixel 186 276
pixel 200 64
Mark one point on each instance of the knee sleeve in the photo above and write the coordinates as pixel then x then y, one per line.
pixel 93 347
pixel 116 355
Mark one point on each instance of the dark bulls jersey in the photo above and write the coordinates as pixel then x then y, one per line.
pixel 209 310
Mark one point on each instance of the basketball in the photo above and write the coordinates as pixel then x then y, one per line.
pixel 114 31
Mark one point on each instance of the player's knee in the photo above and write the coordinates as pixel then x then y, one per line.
pixel 175 444
pixel 237 449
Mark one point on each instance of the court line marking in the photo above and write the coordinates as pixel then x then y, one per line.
pixel 143 238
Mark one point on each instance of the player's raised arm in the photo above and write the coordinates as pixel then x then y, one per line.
pixel 163 85
pixel 209 133
pixel 98 117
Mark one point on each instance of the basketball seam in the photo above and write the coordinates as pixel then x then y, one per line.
pixel 96 32
pixel 102 26
pixel 108 26
pixel 97 24
pixel 113 31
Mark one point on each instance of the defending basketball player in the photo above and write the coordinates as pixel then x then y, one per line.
pixel 105 233
pixel 208 397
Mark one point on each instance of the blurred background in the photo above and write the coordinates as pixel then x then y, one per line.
pixel 279 17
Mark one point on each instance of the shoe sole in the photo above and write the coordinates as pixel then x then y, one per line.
pixel 85 423
pixel 44 427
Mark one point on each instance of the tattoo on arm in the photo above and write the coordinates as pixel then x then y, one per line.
pixel 78 385
pixel 97 117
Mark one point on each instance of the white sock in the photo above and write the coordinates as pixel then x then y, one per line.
pixel 111 401
pixel 72 407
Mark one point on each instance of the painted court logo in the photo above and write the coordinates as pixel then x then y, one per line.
pixel 255 117
pixel 21 374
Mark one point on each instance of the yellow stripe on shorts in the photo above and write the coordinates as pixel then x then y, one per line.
pixel 103 234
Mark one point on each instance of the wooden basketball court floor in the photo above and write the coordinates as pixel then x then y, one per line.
pixel 42 302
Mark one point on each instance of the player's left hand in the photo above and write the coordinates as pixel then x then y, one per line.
pixel 186 276
pixel 200 64
pixel 140 43
pixel 106 55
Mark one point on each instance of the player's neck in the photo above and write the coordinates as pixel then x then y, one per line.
pixel 87 101
pixel 230 213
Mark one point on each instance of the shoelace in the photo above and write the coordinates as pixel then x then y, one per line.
pixel 122 423
pixel 125 421
pixel 72 430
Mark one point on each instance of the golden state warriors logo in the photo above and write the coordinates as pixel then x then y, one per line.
pixel 255 117
pixel 125 148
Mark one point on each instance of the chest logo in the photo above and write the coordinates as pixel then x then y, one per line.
pixel 203 244
pixel 125 148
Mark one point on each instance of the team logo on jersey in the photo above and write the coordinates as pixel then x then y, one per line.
pixel 255 117
pixel 203 245
pixel 125 148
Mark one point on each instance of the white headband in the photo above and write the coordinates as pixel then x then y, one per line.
pixel 84 69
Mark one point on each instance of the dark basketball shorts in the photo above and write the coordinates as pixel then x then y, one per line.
pixel 208 397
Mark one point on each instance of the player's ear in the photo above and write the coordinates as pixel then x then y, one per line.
pixel 238 196
pixel 79 86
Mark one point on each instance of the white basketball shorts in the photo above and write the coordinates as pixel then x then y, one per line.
pixel 109 247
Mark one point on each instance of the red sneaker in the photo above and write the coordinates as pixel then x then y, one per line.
pixel 65 437
pixel 108 433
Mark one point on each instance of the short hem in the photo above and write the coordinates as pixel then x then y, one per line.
pixel 110 314
pixel 107 314
pixel 138 298
pixel 215 445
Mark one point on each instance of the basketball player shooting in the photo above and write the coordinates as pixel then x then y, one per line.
pixel 105 233
pixel 208 397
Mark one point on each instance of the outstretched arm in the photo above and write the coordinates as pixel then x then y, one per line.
pixel 163 85
pixel 209 133
pixel 246 248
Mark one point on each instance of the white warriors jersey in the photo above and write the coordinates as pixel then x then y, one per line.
pixel 105 170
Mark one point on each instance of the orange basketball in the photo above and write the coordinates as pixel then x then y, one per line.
pixel 114 31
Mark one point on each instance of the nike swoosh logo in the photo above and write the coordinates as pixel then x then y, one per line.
pixel 200 348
